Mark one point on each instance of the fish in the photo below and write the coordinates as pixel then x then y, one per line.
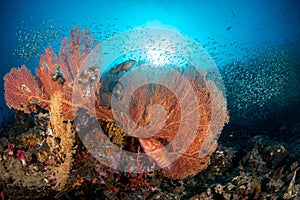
pixel 233 14
pixel 58 78
pixel 125 66
pixel 151 147
pixel 228 28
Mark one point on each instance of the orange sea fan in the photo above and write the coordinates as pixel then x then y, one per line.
pixel 22 90
pixel 189 153
pixel 45 72
pixel 73 52
pixel 55 72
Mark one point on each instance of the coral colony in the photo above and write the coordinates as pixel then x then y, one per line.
pixel 52 88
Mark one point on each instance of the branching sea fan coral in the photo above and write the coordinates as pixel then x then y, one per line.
pixel 177 143
pixel 25 92
pixel 165 91
pixel 21 89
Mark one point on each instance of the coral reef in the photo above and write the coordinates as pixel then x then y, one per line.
pixel 43 156
pixel 67 73
pixel 235 172
pixel 254 176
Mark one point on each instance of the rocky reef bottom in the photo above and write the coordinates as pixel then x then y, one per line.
pixel 247 164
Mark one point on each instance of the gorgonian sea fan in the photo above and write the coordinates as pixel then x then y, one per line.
pixel 29 93
pixel 189 153
pixel 164 90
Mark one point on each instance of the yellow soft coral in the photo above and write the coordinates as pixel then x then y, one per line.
pixel 116 134
pixel 62 140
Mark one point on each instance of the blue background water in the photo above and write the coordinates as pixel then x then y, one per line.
pixel 231 29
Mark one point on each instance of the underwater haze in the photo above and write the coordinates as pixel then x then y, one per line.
pixel 226 126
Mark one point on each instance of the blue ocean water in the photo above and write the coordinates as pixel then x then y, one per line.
pixel 230 30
